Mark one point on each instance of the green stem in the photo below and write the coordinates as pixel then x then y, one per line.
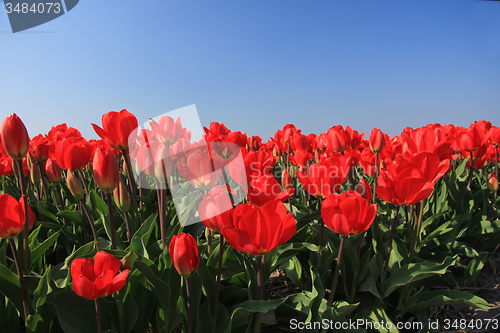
pixel 376 178
pixel 111 221
pixel 219 275
pixel 336 275
pixel 260 283
pixel 21 279
pixel 189 305
pixel 26 230
pixel 416 231
pixel 132 186
pixel 91 221
pixel 393 231
pixel 98 315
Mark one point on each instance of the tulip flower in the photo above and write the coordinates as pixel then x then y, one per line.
pixel 15 137
pixel 325 177
pixel 13 216
pixel 39 148
pixel 106 170
pixel 216 208
pixel 72 153
pixel 201 170
pixel 259 230
pixel 348 213
pixel 184 253
pixel 12 221
pixel 53 171
pixel 377 141
pixel 116 128
pixel 266 188
pixel 287 181
pixel 493 182
pixel 336 139
pixel 94 278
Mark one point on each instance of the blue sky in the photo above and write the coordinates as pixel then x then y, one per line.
pixel 257 65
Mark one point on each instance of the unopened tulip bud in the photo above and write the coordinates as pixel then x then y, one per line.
pixel 106 171
pixel 377 141
pixel 35 174
pixel 74 186
pixel 53 171
pixel 184 253
pixel 15 139
pixel 121 197
pixel 493 182
pixel 286 180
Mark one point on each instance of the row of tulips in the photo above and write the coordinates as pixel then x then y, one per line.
pixel 272 208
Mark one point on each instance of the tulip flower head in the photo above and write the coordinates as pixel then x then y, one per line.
pixel 348 213
pixel 493 182
pixel 15 137
pixel 259 230
pixel 13 216
pixel 94 278
pixel 377 141
pixel 116 128
pixel 184 253
pixel 106 170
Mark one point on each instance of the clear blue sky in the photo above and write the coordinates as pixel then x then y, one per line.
pixel 257 65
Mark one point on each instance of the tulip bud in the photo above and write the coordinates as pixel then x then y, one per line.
pixel 35 174
pixel 465 142
pixel 377 141
pixel 125 168
pixel 286 180
pixel 121 197
pixel 106 171
pixel 53 171
pixel 74 186
pixel 15 137
pixel 184 253
pixel 493 182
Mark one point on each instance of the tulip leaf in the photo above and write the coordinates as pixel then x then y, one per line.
pixel 414 272
pixel 339 310
pixel 96 204
pixel 431 299
pixel 9 286
pixel 247 308
pixel 86 250
pixel 474 268
pixel 141 238
pixel 43 210
pixel 71 215
pixel 40 250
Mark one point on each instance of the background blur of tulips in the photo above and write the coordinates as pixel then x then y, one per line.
pixel 330 226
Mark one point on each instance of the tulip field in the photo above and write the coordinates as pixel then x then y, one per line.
pixel 146 230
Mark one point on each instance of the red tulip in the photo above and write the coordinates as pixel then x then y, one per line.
pixel 202 171
pixel 39 148
pixel 266 188
pixel 465 142
pixel 97 278
pixel 377 141
pixel 184 253
pixel 336 139
pixel 403 188
pixel 347 213
pixel 216 208
pixel 53 171
pixel 301 158
pixel 365 190
pixel 286 180
pixel 15 137
pixel 258 163
pixel 73 153
pixel 106 170
pixel 116 128
pixel 325 177
pixel 13 216
pixel 259 230
pixel 74 185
